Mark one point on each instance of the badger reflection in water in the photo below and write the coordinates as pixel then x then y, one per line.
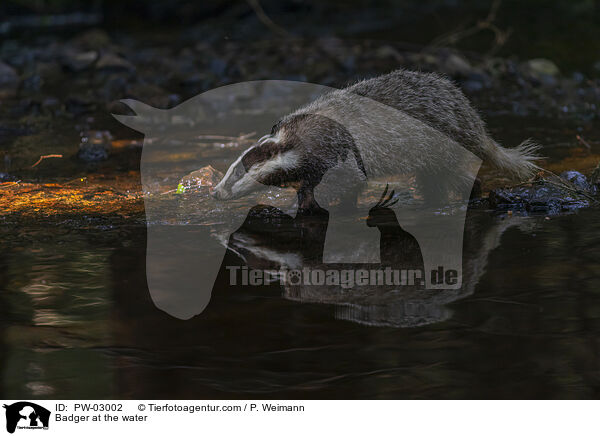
pixel 387 293
pixel 396 246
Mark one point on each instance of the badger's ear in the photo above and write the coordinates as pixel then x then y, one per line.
pixel 145 115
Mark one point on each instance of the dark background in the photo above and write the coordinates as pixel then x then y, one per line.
pixel 567 32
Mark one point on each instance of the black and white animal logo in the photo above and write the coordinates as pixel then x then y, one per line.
pixel 26 416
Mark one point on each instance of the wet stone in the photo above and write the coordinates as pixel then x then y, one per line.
pixel 205 177
pixel 110 62
pixel 79 61
pixel 456 65
pixel 539 198
pixel 476 81
pixel 577 179
pixel 5 177
pixel 542 67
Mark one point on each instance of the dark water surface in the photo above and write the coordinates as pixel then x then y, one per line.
pixel 78 322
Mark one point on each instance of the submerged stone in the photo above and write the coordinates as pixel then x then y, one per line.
pixel 205 177
pixel 577 179
pixel 540 197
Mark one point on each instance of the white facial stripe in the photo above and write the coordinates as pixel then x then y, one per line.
pixel 263 139
pixel 273 138
pixel 248 181
pixel 245 184
pixel 232 167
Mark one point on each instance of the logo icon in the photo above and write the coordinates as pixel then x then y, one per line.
pixel 26 415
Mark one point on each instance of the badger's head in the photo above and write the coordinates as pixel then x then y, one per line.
pixel 299 150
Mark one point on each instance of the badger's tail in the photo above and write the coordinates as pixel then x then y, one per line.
pixel 518 161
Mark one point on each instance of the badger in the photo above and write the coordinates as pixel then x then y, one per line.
pixel 393 124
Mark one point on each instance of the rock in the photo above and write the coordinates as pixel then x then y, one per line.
pixel 112 62
pixel 217 66
pixel 94 145
pixel 51 105
pixel 496 66
pixel 578 77
pixel 595 177
pixel 577 179
pixel 423 60
pixel 79 61
pixel 196 82
pixel 94 39
pixel 32 83
pixel 541 197
pixel 5 177
pixel 389 52
pixel 113 87
pixel 78 104
pixel 476 81
pixel 472 86
pixel 542 67
pixel 456 65
pixel 152 95
pixel 205 177
pixel 595 181
pixel 49 71
pixel 9 81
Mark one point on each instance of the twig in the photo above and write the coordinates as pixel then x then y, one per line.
pixel 264 18
pixel 568 186
pixel 500 36
pixel 242 137
pixel 46 157
pixel 583 141
pixel 562 183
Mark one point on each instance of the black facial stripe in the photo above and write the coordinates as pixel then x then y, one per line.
pixel 262 153
pixel 275 128
pixel 254 156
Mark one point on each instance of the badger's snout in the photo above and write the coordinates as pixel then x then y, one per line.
pixel 227 187
pixel 218 193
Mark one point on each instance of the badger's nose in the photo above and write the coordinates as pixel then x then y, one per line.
pixel 219 194
pixel 214 194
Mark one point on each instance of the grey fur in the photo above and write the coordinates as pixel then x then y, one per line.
pixel 401 122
